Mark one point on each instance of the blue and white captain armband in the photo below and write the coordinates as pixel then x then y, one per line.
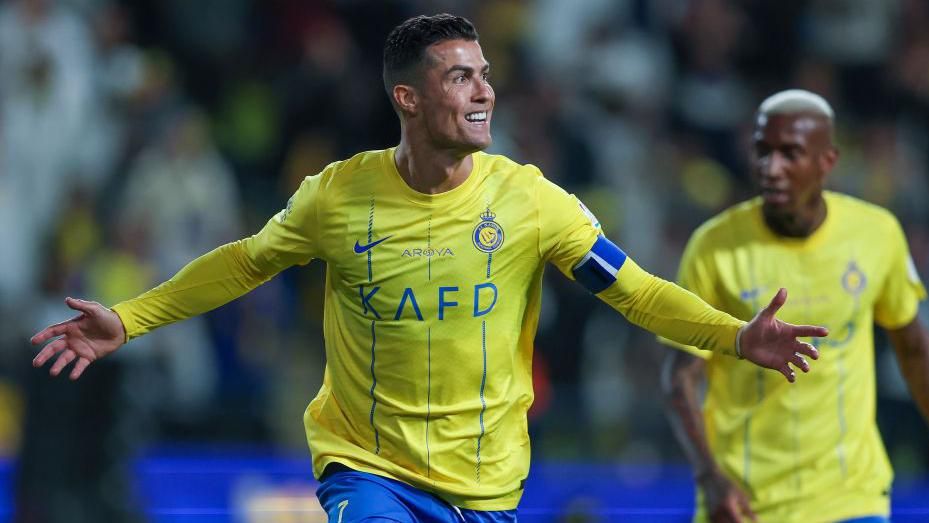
pixel 597 269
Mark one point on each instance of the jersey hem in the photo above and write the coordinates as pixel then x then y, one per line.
pixel 506 502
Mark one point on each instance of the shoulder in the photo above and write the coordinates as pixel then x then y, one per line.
pixel 728 227
pixel 861 215
pixel 351 169
pixel 505 168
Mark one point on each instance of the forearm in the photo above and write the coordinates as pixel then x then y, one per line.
pixel 915 369
pixel 680 387
pixel 206 283
pixel 912 346
pixel 670 311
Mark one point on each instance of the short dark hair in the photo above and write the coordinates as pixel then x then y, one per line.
pixel 406 45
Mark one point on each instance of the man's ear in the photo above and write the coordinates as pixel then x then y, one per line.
pixel 406 99
pixel 828 159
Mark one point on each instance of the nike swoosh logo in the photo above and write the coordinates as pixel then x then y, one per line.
pixel 361 249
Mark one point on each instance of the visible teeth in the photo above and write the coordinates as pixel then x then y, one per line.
pixel 476 117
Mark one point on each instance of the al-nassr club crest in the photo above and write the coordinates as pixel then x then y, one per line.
pixel 488 235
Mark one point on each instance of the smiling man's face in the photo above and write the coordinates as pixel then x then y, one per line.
pixel 456 100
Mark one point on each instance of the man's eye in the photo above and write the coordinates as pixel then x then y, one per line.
pixel 460 79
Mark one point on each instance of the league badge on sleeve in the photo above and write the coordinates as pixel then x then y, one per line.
pixel 488 235
pixel 590 216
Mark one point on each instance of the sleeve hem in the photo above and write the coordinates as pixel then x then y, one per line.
pixel 126 319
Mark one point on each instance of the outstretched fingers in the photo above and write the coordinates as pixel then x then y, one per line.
pixel 66 357
pixel 809 331
pixel 53 331
pixel 787 372
pixel 82 363
pixel 777 302
pixel 48 351
pixel 799 362
pixel 806 349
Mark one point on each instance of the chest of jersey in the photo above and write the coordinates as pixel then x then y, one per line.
pixel 834 286
pixel 421 263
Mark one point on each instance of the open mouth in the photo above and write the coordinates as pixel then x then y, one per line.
pixel 774 196
pixel 478 117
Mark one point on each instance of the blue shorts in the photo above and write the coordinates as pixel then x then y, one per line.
pixel 349 496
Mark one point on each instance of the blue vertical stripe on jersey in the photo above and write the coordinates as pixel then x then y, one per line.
pixel 843 428
pixel 428 394
pixel 429 246
pixel 483 402
pixel 370 237
pixel 377 437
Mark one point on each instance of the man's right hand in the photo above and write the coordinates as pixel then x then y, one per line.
pixel 89 336
pixel 724 501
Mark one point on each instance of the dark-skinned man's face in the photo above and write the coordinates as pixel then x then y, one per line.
pixel 791 156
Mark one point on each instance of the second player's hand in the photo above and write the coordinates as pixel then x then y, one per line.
pixel 725 502
pixel 773 344
pixel 89 336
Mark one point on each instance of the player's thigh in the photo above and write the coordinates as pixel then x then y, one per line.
pixel 349 498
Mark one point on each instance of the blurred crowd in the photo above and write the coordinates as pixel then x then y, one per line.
pixel 138 134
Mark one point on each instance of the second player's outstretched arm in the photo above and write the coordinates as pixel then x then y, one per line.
pixel 89 336
pixel 771 343
pixel 912 346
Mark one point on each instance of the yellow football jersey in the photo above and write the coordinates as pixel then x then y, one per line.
pixel 808 451
pixel 431 306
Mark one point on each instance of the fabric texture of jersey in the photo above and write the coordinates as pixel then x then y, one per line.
pixel 431 306
pixel 808 451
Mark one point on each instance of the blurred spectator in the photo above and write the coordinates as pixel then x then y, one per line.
pixel 181 197
pixel 45 92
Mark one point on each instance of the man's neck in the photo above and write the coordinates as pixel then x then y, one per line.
pixel 430 171
pixel 799 225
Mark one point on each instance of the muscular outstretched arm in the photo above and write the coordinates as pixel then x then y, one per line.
pixel 206 283
pixel 679 315
pixel 911 344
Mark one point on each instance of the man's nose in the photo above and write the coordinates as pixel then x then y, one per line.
pixel 774 166
pixel 483 92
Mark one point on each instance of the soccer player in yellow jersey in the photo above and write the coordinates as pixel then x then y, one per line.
pixel 434 253
pixel 810 452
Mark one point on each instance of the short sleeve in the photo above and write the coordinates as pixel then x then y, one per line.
pixel 898 299
pixel 567 229
pixel 290 237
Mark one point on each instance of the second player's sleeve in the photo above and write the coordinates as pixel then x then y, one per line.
pixel 570 237
pixel 899 297
pixel 231 270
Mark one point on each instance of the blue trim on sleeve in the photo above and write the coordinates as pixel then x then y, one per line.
pixel 597 269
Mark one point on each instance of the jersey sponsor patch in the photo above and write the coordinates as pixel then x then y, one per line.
pixel 597 269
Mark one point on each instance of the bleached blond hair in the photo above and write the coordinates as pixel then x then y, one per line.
pixel 796 101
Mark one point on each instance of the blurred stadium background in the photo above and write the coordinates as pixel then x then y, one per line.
pixel 135 135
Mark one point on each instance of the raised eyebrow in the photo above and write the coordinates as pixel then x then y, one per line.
pixel 460 68
pixel 466 69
